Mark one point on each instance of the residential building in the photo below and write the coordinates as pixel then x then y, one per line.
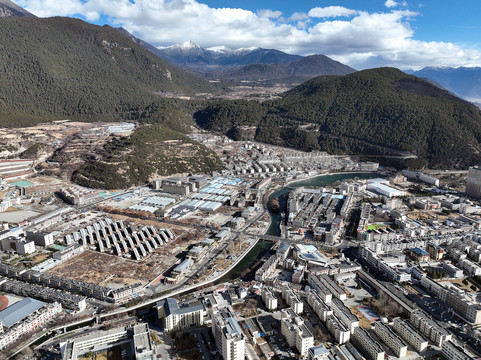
pixel 340 331
pixel 318 305
pixel 452 351
pixel 435 251
pixel 295 331
pixel 394 342
pixel 24 317
pixel 345 315
pixel 175 317
pixel 366 343
pixel 41 238
pixel 420 255
pixel 292 299
pixel 452 270
pixel 269 298
pixel 228 335
pixel 464 306
pixel 267 269
pixel 410 335
pixel 24 246
pixel 429 328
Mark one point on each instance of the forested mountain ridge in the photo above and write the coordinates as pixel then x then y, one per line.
pixel 366 112
pixel 53 68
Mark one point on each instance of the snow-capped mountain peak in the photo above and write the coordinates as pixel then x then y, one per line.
pixel 185 46
pixel 221 49
pixel 246 50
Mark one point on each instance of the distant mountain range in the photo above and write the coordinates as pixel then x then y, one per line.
pixel 9 8
pixel 462 81
pixel 245 64
pixel 296 71
pixel 193 57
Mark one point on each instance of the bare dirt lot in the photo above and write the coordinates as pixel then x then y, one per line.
pixel 114 271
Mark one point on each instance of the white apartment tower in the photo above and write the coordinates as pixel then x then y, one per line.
pixel 228 335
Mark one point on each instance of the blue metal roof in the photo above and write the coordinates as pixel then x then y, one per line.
pixel 318 350
pixel 19 311
pixel 420 251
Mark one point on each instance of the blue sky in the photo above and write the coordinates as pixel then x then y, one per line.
pixel 362 33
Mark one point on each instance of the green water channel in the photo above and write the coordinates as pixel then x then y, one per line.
pixel 263 246
pixel 317 181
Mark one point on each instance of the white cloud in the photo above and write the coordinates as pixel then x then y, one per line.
pixel 331 11
pixel 358 38
pixel 298 17
pixel 391 3
pixel 270 14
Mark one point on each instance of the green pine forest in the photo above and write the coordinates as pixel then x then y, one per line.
pixel 376 112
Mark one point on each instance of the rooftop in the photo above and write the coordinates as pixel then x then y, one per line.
pixel 19 311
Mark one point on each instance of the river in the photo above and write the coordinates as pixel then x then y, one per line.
pixel 262 247
pixel 316 181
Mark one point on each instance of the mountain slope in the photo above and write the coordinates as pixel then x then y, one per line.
pixel 463 81
pixel 293 72
pixel 150 152
pixel 62 67
pixel 9 8
pixel 369 112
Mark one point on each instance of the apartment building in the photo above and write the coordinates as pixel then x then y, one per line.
pixel 457 300
pixel 470 267
pixel 452 270
pixel 335 289
pixel 318 305
pixel 292 299
pixel 473 182
pixel 452 351
pixel 410 335
pixel 269 298
pixel 323 292
pixel 24 317
pixel 175 317
pixel 228 335
pixel 388 337
pixel 345 315
pixel 429 328
pixel 464 306
pixel 366 343
pixel 136 336
pixel 340 331
pixel 41 238
pixel 267 269
pixel 295 331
